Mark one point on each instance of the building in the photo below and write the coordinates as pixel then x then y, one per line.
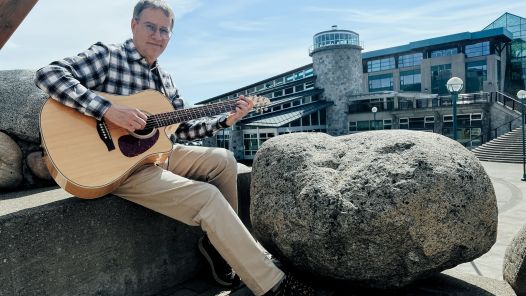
pixel 405 86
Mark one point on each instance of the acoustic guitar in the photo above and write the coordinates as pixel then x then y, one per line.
pixel 90 158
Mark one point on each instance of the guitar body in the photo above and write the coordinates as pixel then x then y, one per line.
pixel 82 163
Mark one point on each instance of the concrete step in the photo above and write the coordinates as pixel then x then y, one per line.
pixel 507 148
pixel 52 243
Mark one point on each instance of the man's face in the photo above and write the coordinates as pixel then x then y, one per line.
pixel 151 33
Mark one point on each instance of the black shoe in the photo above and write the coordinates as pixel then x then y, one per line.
pixel 292 286
pixel 221 271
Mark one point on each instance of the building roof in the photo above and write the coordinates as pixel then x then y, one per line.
pixel 280 118
pixel 502 33
pixel 254 84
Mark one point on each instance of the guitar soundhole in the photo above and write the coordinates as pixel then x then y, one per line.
pixel 132 146
pixel 144 132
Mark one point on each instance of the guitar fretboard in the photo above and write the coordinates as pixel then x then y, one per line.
pixel 178 116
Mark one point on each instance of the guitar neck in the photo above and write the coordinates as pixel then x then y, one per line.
pixel 178 116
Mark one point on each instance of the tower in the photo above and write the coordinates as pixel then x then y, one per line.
pixel 337 61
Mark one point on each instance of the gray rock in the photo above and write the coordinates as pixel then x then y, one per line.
pixel 380 209
pixel 514 271
pixel 20 104
pixel 10 162
pixel 36 165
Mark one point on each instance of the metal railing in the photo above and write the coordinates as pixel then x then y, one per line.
pixel 507 101
pixel 493 134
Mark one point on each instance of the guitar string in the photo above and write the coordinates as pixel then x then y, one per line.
pixel 177 116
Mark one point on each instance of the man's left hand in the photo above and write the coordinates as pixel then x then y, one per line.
pixel 243 106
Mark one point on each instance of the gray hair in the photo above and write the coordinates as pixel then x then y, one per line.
pixel 158 4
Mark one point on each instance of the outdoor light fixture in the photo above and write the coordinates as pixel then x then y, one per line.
pixel 522 96
pixel 454 86
pixel 374 110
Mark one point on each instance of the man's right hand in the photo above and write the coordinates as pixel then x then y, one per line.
pixel 128 118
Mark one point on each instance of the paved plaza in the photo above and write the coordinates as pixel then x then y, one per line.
pixel 510 191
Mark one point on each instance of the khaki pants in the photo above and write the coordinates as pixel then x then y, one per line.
pixel 198 186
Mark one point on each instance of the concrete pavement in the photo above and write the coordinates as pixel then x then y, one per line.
pixel 510 191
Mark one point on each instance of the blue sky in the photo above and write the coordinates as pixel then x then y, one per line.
pixel 218 46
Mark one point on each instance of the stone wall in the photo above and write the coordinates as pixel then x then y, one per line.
pixel 20 154
pixel 339 72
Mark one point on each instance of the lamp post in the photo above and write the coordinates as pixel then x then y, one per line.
pixel 522 95
pixel 374 110
pixel 454 86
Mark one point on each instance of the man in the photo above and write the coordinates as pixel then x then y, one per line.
pixel 196 185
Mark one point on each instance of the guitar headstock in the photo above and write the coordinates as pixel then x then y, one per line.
pixel 260 103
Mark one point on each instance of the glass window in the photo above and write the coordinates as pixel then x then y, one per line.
pixel 305 120
pixel 403 123
pixel 381 64
pixel 440 74
pixel 363 125
pixel 352 126
pixel 289 90
pixel 381 82
pixel 309 72
pixel 223 140
pixel 444 52
pixel 323 116
pixel 278 93
pixel 299 87
pixel 314 118
pixel 476 74
pixel 477 49
pixel 278 81
pixel 410 60
pixel 289 78
pixel 410 80
pixel 296 122
pixel 388 123
pixel 417 123
pixel 298 75
pixel 309 85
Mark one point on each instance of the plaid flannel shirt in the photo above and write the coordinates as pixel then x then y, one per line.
pixel 116 69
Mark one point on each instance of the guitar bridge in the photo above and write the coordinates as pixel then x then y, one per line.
pixel 105 135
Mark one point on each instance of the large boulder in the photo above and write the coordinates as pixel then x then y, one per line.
pixel 380 209
pixel 20 104
pixel 10 163
pixel 514 271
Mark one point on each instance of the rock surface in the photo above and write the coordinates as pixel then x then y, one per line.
pixel 20 104
pixel 515 263
pixel 10 162
pixel 380 209
pixel 37 166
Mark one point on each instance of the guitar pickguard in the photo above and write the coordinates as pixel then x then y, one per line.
pixel 131 146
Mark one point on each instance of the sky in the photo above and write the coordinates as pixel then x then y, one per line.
pixel 218 45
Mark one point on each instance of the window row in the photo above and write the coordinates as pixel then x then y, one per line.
pixel 417 123
pixel 290 90
pixel 415 59
pixel 286 105
pixel 274 83
pixel 409 81
pixel 336 38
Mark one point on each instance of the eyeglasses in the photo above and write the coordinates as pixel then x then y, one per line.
pixel 152 29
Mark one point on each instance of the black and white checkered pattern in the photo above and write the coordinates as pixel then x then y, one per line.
pixel 116 69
